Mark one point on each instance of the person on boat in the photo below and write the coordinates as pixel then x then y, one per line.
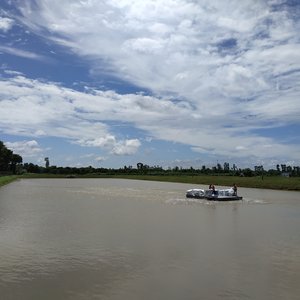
pixel 234 187
pixel 212 187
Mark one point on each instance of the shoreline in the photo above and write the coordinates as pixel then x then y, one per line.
pixel 8 179
pixel 268 182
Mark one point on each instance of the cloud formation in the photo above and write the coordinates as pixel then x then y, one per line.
pixel 219 72
pixel 179 46
pixel 6 24
pixel 29 108
pixel 21 53
pixel 27 148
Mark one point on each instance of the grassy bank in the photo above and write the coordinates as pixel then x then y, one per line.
pixel 271 182
pixel 7 179
pixel 268 182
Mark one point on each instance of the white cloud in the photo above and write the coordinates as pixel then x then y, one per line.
pixel 127 147
pixel 107 141
pixel 144 45
pixel 148 41
pixel 13 72
pixel 153 44
pixel 21 53
pixel 6 24
pixel 29 108
pixel 100 158
pixel 25 148
pixel 217 69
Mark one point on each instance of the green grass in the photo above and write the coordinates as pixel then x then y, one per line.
pixel 268 182
pixel 7 179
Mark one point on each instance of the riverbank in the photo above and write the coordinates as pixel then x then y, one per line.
pixel 268 182
pixel 7 179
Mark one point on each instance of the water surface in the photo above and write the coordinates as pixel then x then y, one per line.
pixel 127 239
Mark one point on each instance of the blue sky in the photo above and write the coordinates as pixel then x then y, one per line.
pixel 170 83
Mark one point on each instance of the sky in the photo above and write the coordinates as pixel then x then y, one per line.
pixel 166 83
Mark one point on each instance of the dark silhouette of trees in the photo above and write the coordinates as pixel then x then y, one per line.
pixel 8 160
pixel 11 163
pixel 144 169
pixel 47 163
pixel 16 160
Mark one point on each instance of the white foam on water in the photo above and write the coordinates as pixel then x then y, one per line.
pixel 185 201
pixel 189 201
pixel 254 201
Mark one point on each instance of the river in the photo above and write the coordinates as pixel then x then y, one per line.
pixel 127 239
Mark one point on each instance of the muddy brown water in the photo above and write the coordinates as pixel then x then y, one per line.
pixel 126 239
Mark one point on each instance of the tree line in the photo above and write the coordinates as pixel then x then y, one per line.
pixel 142 169
pixel 11 163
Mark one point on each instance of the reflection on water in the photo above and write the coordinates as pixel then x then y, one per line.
pixel 121 239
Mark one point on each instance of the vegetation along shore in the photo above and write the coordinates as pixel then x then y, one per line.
pixel 267 182
pixel 7 179
pixel 283 177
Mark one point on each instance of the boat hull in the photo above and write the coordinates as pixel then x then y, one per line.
pixel 195 196
pixel 216 195
pixel 224 198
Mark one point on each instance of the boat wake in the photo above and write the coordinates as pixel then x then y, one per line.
pixel 195 201
pixel 185 201
pixel 254 201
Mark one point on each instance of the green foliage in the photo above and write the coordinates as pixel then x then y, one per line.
pixel 8 160
pixel 7 179
pixel 269 182
pixel 11 163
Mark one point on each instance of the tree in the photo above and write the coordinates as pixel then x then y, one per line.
pixel 5 157
pixel 47 162
pixel 259 170
pixel 15 160
pixel 8 160
pixel 283 168
pixel 248 172
pixel 139 166
pixel 31 168
pixel 226 166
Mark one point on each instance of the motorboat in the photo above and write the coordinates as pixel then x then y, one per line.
pixel 213 195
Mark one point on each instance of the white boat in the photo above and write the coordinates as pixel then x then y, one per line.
pixel 213 195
